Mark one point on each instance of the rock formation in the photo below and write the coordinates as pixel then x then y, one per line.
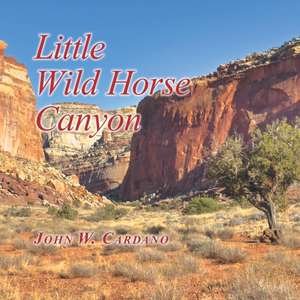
pixel 100 162
pixel 61 144
pixel 24 175
pixel 24 180
pixel 18 134
pixel 178 133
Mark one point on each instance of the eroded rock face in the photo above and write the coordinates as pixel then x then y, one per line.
pixel 59 145
pixel 24 180
pixel 100 162
pixel 18 133
pixel 178 133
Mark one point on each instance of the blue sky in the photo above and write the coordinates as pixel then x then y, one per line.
pixel 158 38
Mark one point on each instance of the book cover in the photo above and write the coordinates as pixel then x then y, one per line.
pixel 149 150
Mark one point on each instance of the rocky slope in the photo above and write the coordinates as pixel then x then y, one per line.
pixel 18 134
pixel 24 180
pixel 178 133
pixel 100 162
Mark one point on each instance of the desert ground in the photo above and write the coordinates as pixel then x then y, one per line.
pixel 209 256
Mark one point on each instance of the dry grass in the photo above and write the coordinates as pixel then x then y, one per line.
pixel 155 229
pixel 223 234
pixel 291 240
pixel 8 290
pixel 14 263
pixel 134 272
pixel 42 249
pixel 290 262
pixel 262 282
pixel 180 266
pixel 150 255
pixel 123 229
pixel 215 250
pixel 6 235
pixel 117 248
pixel 165 290
pixel 80 270
pixel 171 247
pixel 171 271
pixel 20 244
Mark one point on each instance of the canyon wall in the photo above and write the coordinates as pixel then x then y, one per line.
pixel 18 134
pixel 100 162
pixel 179 133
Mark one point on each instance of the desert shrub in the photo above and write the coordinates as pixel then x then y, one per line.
pixel 14 262
pixel 165 290
pixel 261 282
pixel 117 248
pixel 236 221
pixel 180 266
pixel 210 233
pixel 5 236
pixel 169 271
pixel 156 229
pixel 288 261
pixel 215 250
pixel 17 212
pixel 186 230
pixel 52 211
pixel 42 249
pixel 188 264
pixel 170 247
pixel 291 240
pixel 134 272
pixel 24 228
pixel 148 254
pixel 230 255
pixel 19 244
pixel 200 205
pixel 122 230
pixel 256 217
pixel 67 212
pixel 108 212
pixel 223 234
pixel 80 271
pixel 204 248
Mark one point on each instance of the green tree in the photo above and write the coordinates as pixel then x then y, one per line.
pixel 262 170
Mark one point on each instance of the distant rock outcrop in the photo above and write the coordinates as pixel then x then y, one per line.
pixel 100 162
pixel 18 133
pixel 179 133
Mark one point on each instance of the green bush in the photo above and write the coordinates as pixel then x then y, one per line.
pixel 52 211
pixel 67 212
pixel 156 229
pixel 15 212
pixel 201 205
pixel 108 212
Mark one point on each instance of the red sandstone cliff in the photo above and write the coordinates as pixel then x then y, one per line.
pixel 178 133
pixel 18 134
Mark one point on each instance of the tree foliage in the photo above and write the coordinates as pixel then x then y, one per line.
pixel 262 170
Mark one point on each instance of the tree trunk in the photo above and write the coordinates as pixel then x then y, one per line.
pixel 274 233
pixel 271 215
